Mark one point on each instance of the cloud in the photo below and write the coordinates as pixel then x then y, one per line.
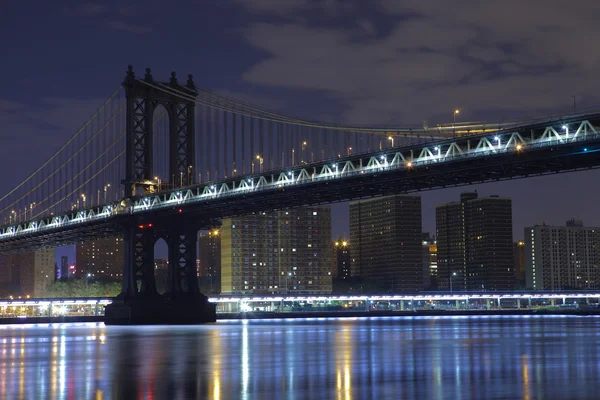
pixel 85 9
pixel 43 128
pixel 493 60
pixel 126 27
pixel 115 17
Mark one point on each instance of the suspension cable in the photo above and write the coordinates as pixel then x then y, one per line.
pixel 57 170
pixel 64 145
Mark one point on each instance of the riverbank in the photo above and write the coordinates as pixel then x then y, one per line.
pixel 326 314
pixel 416 313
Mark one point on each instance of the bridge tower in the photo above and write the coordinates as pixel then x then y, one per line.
pixel 139 301
pixel 143 97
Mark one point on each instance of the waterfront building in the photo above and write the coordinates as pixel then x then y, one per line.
pixel 562 257
pixel 519 259
pixel 342 260
pixel 44 265
pixel 102 258
pixel 63 272
pixel 474 243
pixel 286 251
pixel 386 233
pixel 209 261
pixel 429 262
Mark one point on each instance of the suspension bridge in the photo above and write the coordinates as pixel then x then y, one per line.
pixel 166 159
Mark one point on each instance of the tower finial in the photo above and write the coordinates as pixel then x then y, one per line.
pixel 190 82
pixel 129 76
pixel 148 76
pixel 173 80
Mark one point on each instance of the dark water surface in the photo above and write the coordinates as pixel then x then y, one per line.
pixel 378 358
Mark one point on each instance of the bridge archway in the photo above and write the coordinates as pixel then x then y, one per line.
pixel 144 96
pixel 161 265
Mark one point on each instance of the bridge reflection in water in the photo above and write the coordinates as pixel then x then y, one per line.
pixel 230 306
pixel 332 358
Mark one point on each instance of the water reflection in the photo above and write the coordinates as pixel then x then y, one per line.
pixel 380 358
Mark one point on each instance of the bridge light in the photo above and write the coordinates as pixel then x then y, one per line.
pixel 564 127
pixel 436 148
pixel 496 138
pixel 409 164
pixel 519 147
pixel 585 149
pixel 290 173
pixel 383 157
pixel 212 187
pixel 249 180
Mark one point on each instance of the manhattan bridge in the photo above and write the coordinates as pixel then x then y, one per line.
pixel 165 159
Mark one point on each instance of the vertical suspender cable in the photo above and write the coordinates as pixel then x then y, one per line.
pixel 243 148
pixel 234 118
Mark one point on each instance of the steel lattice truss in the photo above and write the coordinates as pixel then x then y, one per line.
pixel 494 156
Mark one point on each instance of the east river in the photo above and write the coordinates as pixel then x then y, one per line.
pixel 544 357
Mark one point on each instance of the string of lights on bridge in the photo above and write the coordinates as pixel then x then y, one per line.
pixel 401 159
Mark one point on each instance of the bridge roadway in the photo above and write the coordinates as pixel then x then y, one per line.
pixel 556 146
pixel 278 303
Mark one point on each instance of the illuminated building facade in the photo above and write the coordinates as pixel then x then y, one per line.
pixel 43 271
pixel 209 257
pixel 277 252
pixel 29 274
pixel 474 243
pixel 385 233
pixel 519 259
pixel 343 260
pixel 101 258
pixel 429 262
pixel 64 268
pixel 562 257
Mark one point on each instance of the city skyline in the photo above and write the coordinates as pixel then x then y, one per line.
pixel 39 113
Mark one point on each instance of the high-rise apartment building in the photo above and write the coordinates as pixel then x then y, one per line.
pixel 44 267
pixel 519 260
pixel 161 275
pixel 474 243
pixel 342 260
pixel 64 268
pixel 429 262
pixel 277 252
pixel 29 274
pixel 16 273
pixel 102 258
pixel 562 257
pixel 385 233
pixel 209 257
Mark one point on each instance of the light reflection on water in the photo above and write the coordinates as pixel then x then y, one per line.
pixel 327 358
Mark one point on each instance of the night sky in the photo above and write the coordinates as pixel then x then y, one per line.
pixel 366 62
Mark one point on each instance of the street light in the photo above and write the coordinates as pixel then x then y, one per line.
pixel 304 143
pixel 83 199
pixel 451 278
pixel 260 162
pixel 349 151
pixel 392 139
pixel 454 114
pixel 286 282
pixel 105 190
